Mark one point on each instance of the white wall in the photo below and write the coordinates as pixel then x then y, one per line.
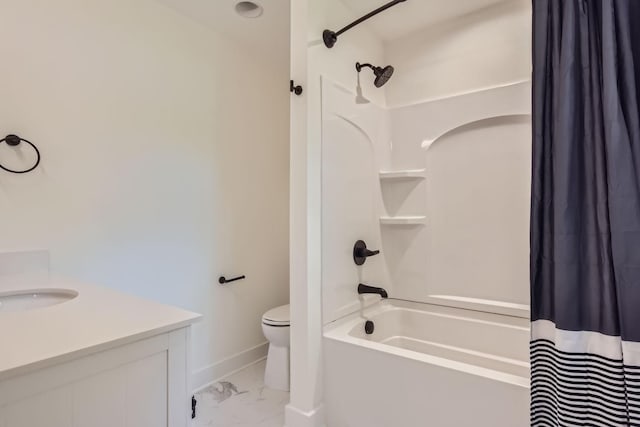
pixel 483 49
pixel 161 168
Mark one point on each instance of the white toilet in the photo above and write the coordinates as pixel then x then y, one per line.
pixel 275 326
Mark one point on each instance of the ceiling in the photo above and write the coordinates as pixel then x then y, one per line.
pixel 413 15
pixel 267 35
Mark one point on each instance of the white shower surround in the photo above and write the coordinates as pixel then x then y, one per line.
pixel 463 342
pixel 441 187
pixel 450 366
pixel 476 149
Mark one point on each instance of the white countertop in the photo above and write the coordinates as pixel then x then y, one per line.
pixel 97 319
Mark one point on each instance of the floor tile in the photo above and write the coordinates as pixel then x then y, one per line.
pixel 241 400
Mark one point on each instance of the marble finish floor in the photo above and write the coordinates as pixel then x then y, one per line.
pixel 241 400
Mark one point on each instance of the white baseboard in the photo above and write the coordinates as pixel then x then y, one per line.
pixel 208 375
pixel 294 417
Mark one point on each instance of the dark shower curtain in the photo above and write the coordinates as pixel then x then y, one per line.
pixel 585 214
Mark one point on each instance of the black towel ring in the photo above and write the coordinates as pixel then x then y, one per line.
pixel 14 141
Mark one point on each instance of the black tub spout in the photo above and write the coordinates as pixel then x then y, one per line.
pixel 366 289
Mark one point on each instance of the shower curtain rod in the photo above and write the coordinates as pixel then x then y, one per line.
pixel 331 37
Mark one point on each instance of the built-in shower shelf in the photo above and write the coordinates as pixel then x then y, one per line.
pixel 403 220
pixel 403 174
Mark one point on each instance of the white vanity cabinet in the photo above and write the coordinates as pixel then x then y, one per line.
pixel 143 383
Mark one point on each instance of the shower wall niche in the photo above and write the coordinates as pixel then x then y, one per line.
pixel 440 187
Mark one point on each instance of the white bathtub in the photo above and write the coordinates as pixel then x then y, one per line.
pixel 427 366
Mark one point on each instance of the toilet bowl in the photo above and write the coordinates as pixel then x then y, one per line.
pixel 275 327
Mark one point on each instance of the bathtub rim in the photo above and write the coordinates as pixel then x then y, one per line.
pixel 339 330
pixel 478 304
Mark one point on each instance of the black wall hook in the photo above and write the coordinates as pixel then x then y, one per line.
pixel 14 141
pixel 295 89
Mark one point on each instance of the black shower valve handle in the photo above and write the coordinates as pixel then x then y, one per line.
pixel 367 253
pixel 361 252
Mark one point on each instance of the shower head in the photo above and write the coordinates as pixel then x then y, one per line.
pixel 383 74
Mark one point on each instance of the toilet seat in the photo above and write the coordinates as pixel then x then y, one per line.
pixel 278 316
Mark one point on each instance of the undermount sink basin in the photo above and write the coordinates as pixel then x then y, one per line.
pixel 34 298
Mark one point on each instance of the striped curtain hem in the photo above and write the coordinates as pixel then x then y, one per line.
pixel 581 389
